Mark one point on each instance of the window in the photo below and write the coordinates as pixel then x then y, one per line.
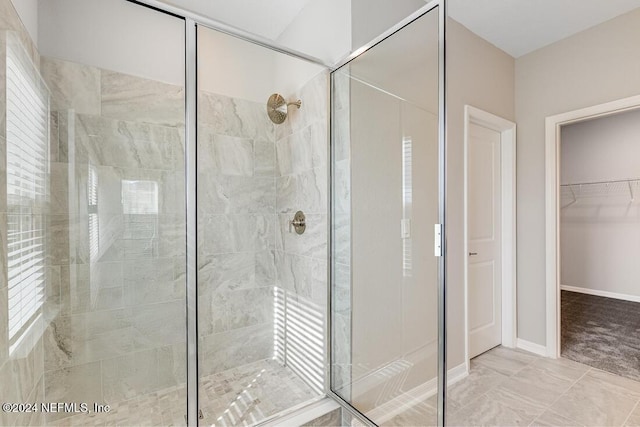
pixel 94 224
pixel 407 201
pixel 27 181
pixel 139 197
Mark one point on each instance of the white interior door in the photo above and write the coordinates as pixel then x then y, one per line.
pixel 484 233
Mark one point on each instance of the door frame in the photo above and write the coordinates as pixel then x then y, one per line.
pixel 552 206
pixel 507 130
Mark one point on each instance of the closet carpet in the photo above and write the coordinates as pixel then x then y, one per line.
pixel 602 332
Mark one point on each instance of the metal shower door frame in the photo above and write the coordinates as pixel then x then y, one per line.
pixel 192 22
pixel 442 145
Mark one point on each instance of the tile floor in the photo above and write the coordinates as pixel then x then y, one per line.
pixel 237 397
pixel 514 388
pixel 504 388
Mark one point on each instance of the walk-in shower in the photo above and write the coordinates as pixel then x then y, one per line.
pixel 175 250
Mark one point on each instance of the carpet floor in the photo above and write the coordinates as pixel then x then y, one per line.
pixel 601 332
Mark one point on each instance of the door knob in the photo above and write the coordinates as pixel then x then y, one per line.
pixel 473 253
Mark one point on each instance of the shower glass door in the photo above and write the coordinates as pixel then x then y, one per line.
pixel 262 286
pixel 92 212
pixel 385 202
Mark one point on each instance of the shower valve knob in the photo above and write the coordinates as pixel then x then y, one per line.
pixel 298 223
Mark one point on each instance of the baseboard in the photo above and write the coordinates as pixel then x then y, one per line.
pixel 531 347
pixel 598 293
pixel 414 396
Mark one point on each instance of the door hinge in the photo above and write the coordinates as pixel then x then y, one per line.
pixel 437 240
pixel 200 416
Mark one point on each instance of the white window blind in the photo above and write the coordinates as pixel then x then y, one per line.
pixel 27 127
pixel 407 202
pixel 139 197
pixel 94 223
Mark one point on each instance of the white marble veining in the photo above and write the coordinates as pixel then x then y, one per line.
pixel 236 233
pixel 59 191
pixel 132 98
pixel 224 154
pixel 306 191
pixel 80 383
pixel 303 150
pixel 342 135
pixel 342 187
pixel 342 239
pixel 315 106
pixel 73 86
pixel 58 227
pixel 341 89
pixel 10 20
pixel 234 348
pixel 264 158
pixel 143 372
pixel 341 355
pixel 341 293
pixel 236 194
pixel 234 117
pixel 129 144
pixel 18 377
pixel 159 325
pixel 313 243
pixel 303 276
pixel 227 271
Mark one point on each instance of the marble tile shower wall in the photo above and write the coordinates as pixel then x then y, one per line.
pixel 341 294
pixel 236 214
pixel 115 294
pixel 252 177
pixel 301 260
pixel 21 373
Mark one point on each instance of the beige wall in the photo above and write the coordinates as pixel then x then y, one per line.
pixel 481 75
pixel 370 18
pixel 592 67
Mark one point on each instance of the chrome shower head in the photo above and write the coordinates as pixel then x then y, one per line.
pixel 277 108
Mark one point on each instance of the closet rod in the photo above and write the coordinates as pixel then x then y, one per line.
pixel 601 182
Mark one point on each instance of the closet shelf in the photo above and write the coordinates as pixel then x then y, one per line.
pixel 619 187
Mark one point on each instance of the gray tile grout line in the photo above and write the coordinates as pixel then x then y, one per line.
pixel 631 413
pixel 563 394
pixel 548 407
pixel 522 369
pixel 495 386
pixel 619 376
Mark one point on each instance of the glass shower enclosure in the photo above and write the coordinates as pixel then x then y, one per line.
pixel 385 202
pixel 262 286
pixel 201 227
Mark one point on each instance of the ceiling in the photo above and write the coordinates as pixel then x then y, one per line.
pixel 515 26
pixel 264 18
pixel 522 26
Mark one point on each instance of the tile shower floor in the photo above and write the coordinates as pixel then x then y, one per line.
pixel 515 388
pixel 236 397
